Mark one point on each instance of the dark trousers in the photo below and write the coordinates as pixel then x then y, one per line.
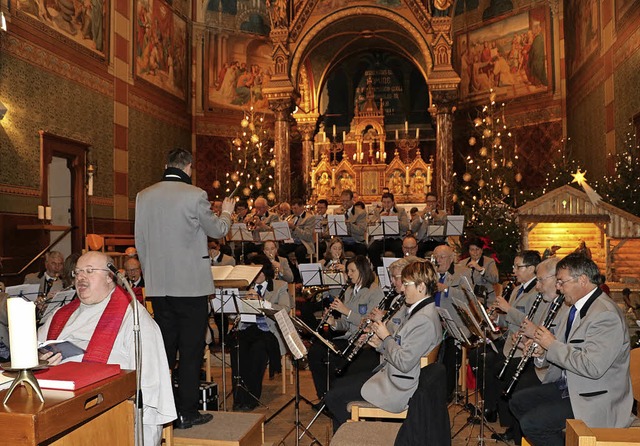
pixel 491 388
pixel 452 361
pixel 542 413
pixel 345 390
pixel 365 361
pixel 183 323
pixel 377 248
pixel 250 363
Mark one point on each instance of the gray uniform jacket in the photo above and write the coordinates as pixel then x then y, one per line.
pixel 403 220
pixel 515 317
pixel 173 220
pixel 487 279
pixel 596 361
pixel 357 224
pixel 392 386
pixel 279 299
pixel 360 305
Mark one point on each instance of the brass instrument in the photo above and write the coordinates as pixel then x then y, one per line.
pixel 514 348
pixel 366 323
pixel 324 319
pixel 551 315
pixel 250 220
pixel 362 341
pixel 310 293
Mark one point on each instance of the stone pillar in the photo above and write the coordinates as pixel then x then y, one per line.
pixel 282 181
pixel 444 155
pixel 307 130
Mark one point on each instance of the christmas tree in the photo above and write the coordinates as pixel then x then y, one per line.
pixel 252 160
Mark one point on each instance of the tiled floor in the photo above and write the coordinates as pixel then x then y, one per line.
pixel 281 425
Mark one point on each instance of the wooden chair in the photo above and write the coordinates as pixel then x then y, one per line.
pixel 364 409
pixel 579 434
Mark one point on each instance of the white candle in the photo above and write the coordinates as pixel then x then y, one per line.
pixel 406 126
pixel 47 213
pixel 313 179
pixel 324 137
pixel 333 178
pixel 23 341
pixel 40 212
pixel 90 186
pixel 417 133
pixel 396 134
pixel 334 130
pixel 344 136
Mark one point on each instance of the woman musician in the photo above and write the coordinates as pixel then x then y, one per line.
pixel 392 385
pixel 359 300
pixel 259 342
pixel 280 264
pixel 484 272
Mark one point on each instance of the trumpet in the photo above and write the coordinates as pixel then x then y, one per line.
pixel 551 315
pixel 514 348
pixel 361 341
pixel 310 293
pixel 366 323
pixel 324 319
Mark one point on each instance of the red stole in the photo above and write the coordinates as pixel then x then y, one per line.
pixel 104 336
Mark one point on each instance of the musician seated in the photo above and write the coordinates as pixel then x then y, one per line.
pixel 101 323
pixel 588 359
pixel 281 266
pixel 393 382
pixel 217 255
pixel 484 272
pixel 429 216
pixel 241 210
pixel 359 299
pixel 356 219
pixel 301 225
pixel 259 220
pixel 393 242
pixel 334 259
pixel 321 208
pixel 258 338
pixel 133 272
pixel 409 246
pixel 49 281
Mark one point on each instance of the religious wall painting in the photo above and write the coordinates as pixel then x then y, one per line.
pixel 512 56
pixel 239 82
pixel 582 33
pixel 161 47
pixel 370 182
pixel 82 22
pixel 328 6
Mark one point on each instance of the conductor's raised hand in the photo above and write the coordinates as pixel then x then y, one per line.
pixel 228 205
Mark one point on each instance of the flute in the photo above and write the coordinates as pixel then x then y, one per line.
pixel 514 348
pixel 551 315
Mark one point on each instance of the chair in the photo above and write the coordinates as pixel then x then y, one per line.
pixel 427 421
pixel 94 242
pixel 364 409
pixel 634 371
pixel 579 434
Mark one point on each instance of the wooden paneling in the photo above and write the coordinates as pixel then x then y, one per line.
pixel 625 260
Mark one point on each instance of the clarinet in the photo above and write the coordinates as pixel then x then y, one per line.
pixel 506 292
pixel 512 352
pixel 553 310
pixel 328 313
pixel 393 309
pixel 386 301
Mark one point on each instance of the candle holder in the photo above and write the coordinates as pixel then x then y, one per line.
pixel 25 376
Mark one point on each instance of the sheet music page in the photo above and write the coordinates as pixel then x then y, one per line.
pixel 455 224
pixel 337 225
pixel 383 276
pixel 290 335
pixel 224 298
pixel 281 231
pixel 29 291
pixel 239 232
pixel 311 274
pixel 239 272
pixel 63 296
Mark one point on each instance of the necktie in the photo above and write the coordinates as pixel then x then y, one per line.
pixel 520 291
pixel 346 214
pixel 259 290
pixel 572 315
pixel 47 285
pixel 439 293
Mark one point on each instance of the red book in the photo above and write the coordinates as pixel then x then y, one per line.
pixel 75 375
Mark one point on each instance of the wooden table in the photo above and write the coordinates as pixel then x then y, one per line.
pixel 100 414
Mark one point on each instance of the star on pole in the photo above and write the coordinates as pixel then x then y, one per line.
pixel 579 177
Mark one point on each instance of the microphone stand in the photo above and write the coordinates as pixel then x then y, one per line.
pixel 139 435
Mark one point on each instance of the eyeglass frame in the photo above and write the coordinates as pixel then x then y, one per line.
pixel 540 279
pixel 406 284
pixel 561 283
pixel 87 271
pixel 521 266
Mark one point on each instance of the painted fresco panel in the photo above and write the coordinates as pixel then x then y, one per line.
pixel 511 56
pixel 161 47
pixel 83 22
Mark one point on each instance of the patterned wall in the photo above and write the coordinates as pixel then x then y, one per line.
pixel 586 130
pixel 627 94
pixel 212 162
pixel 40 100
pixel 149 142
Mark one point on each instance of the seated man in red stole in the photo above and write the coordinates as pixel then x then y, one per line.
pixel 101 323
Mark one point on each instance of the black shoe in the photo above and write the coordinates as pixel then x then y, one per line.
pixel 491 415
pixel 505 436
pixel 185 422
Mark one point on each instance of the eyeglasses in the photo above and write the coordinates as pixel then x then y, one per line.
pixel 410 247
pixel 132 270
pixel 520 266
pixel 562 282
pixel 88 271
pixel 398 276
pixel 406 284
pixel 542 279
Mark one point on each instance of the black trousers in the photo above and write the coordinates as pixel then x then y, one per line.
pixel 183 323
pixel 345 390
pixel 542 413
pixel 365 361
pixel 250 363
pixel 377 248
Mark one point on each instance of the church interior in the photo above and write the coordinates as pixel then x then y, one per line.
pixel 490 105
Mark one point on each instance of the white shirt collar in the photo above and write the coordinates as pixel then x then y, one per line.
pixel 583 300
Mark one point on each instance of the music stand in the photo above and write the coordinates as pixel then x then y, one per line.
pixel 28 291
pixel 240 233
pixel 337 226
pixel 279 231
pixel 387 226
pixel 60 299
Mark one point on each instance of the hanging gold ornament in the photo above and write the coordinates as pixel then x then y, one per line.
pixel 486 133
pixel 271 196
pixel 246 191
pixel 518 177
pixel 509 164
pixel 481 183
pixel 258 184
pixel 244 123
pixel 488 120
pixel 506 190
pixel 497 141
pixel 234 176
pixel 472 141
pixel 483 151
pixel 255 138
pixel 477 122
pixel 273 163
pixel 466 176
pixel 216 184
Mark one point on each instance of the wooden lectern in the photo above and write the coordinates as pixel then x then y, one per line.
pixel 100 414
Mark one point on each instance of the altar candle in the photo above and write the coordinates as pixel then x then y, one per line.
pixel 417 133
pixel 324 137
pixel 313 179
pixel 90 186
pixel 333 177
pixel 40 212
pixel 334 130
pixel 396 134
pixel 344 136
pixel 406 126
pixel 23 341
pixel 406 174
pixel 47 212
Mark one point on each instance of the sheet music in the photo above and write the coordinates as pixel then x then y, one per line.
pixel 435 230
pixel 455 224
pixel 281 231
pixel 240 272
pixel 240 233
pixel 290 335
pixel 311 274
pixel 337 225
pixel 467 317
pixel 388 226
pixel 29 291
pixel 225 298
pixel 451 326
pixel 250 309
pixel 479 310
pixel 383 277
